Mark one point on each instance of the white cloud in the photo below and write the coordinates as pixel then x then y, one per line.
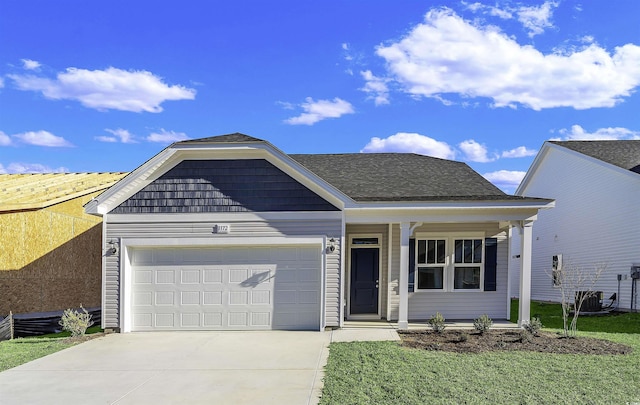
pixel 475 152
pixel 1 82
pixel 167 136
pixel 315 111
pixel 375 87
pixel 505 179
pixel 447 54
pixel 19 168
pixel 410 142
pixel 533 18
pixel 520 151
pixel 119 135
pixel 578 133
pixel 111 88
pixel 5 139
pixel 536 19
pixel 29 64
pixel 286 105
pixel 503 13
pixel 43 138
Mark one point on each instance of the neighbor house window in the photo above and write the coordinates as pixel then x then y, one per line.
pixel 431 258
pixel 467 264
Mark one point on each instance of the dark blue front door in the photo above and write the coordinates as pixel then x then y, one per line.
pixel 364 280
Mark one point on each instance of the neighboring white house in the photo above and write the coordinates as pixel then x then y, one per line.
pixel 596 220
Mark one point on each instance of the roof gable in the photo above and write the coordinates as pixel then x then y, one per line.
pixel 241 185
pixel 622 153
pixel 236 137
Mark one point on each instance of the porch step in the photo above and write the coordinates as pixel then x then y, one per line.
pixel 460 324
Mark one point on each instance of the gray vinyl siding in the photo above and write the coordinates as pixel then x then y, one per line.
pixel 595 222
pixel 457 305
pixel 252 230
pixel 383 273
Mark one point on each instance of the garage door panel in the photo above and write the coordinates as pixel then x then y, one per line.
pixel 190 298
pixel 212 320
pixel 165 276
pixel 226 288
pixel 212 297
pixel 212 276
pixel 190 320
pixel 190 276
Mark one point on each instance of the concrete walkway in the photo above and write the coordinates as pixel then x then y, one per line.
pixel 273 367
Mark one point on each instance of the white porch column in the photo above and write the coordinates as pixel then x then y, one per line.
pixel 524 309
pixel 403 311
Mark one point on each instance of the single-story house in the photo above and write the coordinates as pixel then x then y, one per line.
pixel 49 247
pixel 230 233
pixel 596 221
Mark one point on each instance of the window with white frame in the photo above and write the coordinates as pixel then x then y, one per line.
pixel 449 263
pixel 431 260
pixel 467 264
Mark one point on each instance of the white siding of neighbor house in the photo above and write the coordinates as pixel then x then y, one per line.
pixel 456 305
pixel 252 230
pixel 364 229
pixel 596 221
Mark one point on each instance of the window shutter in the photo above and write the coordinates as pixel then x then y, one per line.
pixel 412 263
pixel 490 263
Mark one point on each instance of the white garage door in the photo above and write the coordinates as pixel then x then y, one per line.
pixel 226 288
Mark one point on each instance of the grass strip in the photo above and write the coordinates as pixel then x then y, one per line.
pixel 385 372
pixel 551 316
pixel 23 350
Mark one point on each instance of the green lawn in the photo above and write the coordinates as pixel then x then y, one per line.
pixel 386 373
pixel 551 317
pixel 23 350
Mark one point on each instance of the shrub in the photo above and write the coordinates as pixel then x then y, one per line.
pixel 436 323
pixel 463 337
pixel 76 322
pixel 525 336
pixel 483 323
pixel 533 326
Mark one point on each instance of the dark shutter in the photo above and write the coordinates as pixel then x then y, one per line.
pixel 412 263
pixel 490 263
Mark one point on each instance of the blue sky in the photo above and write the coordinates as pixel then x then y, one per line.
pixel 103 86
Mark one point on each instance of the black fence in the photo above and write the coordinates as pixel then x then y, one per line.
pixel 38 323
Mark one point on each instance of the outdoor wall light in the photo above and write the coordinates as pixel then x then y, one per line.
pixel 332 245
pixel 112 247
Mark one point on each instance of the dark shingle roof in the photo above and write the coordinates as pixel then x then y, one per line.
pixel 401 177
pixel 391 176
pixel 229 138
pixel 624 154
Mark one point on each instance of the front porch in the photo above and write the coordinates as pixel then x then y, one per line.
pixel 398 273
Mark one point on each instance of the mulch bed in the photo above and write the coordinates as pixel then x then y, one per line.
pixel 505 340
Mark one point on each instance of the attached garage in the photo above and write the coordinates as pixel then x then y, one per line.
pixel 225 288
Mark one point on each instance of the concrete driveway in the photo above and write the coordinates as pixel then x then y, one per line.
pixel 272 367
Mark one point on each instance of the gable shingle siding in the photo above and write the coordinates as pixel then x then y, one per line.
pixel 243 185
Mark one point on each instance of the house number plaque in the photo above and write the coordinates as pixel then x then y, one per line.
pixel 221 228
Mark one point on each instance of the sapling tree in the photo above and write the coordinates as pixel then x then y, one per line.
pixel 576 285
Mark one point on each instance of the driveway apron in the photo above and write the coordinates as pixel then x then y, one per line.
pixel 273 367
